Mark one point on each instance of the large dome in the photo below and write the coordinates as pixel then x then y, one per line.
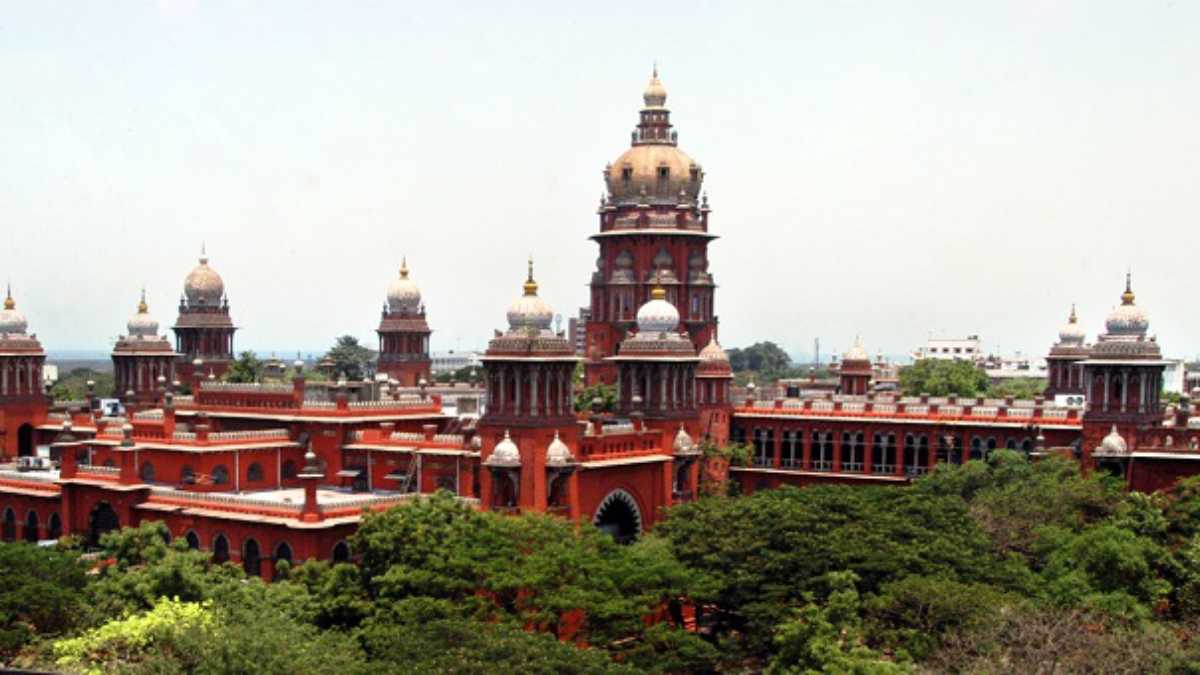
pixel 403 294
pixel 856 352
pixel 142 324
pixel 203 286
pixel 1127 318
pixel 529 311
pixel 12 322
pixel 657 315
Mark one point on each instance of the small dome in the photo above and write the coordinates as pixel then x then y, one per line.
pixel 655 95
pixel 657 315
pixel 403 294
pixel 1113 443
pixel 683 441
pixel 142 324
pixel 557 453
pixel 856 352
pixel 713 353
pixel 12 322
pixel 203 286
pixel 1127 318
pixel 529 311
pixel 1072 333
pixel 505 453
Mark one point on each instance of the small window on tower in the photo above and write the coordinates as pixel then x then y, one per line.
pixel 664 172
pixel 626 174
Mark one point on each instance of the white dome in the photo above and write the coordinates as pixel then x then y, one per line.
pixel 505 453
pixel 142 324
pixel 1127 318
pixel 657 315
pixel 12 322
pixel 530 311
pixel 1072 333
pixel 683 441
pixel 856 352
pixel 713 352
pixel 1113 443
pixel 557 453
pixel 203 286
pixel 403 294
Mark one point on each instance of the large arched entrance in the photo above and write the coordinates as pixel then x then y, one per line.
pixel 25 441
pixel 31 527
pixel 619 516
pixel 9 531
pixel 220 549
pixel 103 519
pixel 251 558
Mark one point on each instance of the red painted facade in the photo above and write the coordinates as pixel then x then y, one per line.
pixel 404 334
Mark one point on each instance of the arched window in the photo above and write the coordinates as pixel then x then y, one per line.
pixel 792 449
pixel 54 527
pixel 764 441
pixel 976 448
pixel 1027 445
pixel 251 559
pixel 9 532
pixel 187 475
pixel 282 552
pixel 31 527
pixel 220 475
pixel 341 552
pixel 289 469
pixel 991 443
pixel 220 549
pixel 193 540
pixel 147 472
pixel 255 473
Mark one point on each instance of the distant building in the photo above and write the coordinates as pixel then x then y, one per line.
pixel 969 348
pixel 577 329
pixel 448 362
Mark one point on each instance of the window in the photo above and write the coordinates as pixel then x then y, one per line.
pixel 147 473
pixel 54 527
pixel 220 475
pixel 220 549
pixel 186 475
pixel 254 473
pixel 341 552
pixel 193 541
pixel 289 469
pixel 664 173
pixel 626 174
pixel 251 558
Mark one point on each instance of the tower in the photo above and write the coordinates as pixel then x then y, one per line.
pixel 403 332
pixel 1122 377
pixel 203 330
pixel 714 378
pixel 856 370
pixel 23 404
pixel 140 358
pixel 653 231
pixel 1064 374
pixel 529 425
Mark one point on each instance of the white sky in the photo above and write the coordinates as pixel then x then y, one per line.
pixel 873 168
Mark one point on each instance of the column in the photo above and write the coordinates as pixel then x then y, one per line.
pixel 868 453
pixel 777 460
pixel 534 374
pixel 806 443
pixel 837 450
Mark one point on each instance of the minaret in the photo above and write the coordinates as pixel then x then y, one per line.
pixel 403 333
pixel 855 370
pixel 23 403
pixel 1064 374
pixel 528 370
pixel 653 226
pixel 204 330
pixel 143 360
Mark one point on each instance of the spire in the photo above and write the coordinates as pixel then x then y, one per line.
pixel 404 267
pixel 8 299
pixel 1073 318
pixel 1127 296
pixel 655 95
pixel 142 307
pixel 203 253
pixel 531 287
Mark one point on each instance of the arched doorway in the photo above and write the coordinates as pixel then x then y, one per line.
pixel 103 519
pixel 193 541
pixel 9 530
pixel 251 558
pixel 25 441
pixel 220 549
pixel 31 527
pixel 619 517
pixel 54 527
pixel 341 552
pixel 282 552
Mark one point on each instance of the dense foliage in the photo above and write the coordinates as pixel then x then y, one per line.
pixel 943 377
pixel 990 567
pixel 73 385
pixel 350 359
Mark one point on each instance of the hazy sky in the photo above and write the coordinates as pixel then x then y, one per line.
pixel 873 168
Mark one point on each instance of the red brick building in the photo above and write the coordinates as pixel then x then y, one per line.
pixel 143 361
pixel 403 333
pixel 204 330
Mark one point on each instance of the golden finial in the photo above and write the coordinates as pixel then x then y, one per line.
pixel 1127 296
pixel 142 307
pixel 1072 318
pixel 404 267
pixel 658 292
pixel 203 253
pixel 531 287
pixel 8 300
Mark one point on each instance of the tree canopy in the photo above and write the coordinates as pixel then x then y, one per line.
pixel 246 368
pixel 350 359
pixel 943 377
pixel 762 357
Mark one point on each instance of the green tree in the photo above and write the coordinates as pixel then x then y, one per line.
pixel 607 393
pixel 247 368
pixel 1018 388
pixel 350 359
pixel 73 387
pixel 943 377
pixel 762 357
pixel 42 594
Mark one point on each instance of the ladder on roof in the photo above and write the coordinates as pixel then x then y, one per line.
pixel 408 482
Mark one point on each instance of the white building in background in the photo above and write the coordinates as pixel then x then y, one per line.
pixel 448 362
pixel 969 348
